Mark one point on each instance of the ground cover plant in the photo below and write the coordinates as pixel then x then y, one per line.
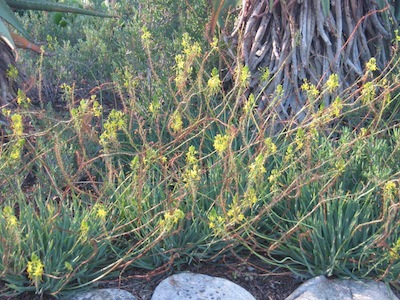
pixel 147 159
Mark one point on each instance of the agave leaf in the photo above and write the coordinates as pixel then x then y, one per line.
pixel 5 36
pixel 44 5
pixel 8 15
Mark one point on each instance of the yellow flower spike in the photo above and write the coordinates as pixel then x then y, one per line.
pixel 170 220
pixel 368 93
pixel 146 36
pixel 265 72
pixel 390 190
pixel 270 146
pixel 35 269
pixel 17 125
pixel 11 219
pixel 300 136
pixel 250 197
pixel 394 251
pixel 244 76
pixel 250 104
pixel 23 100
pixel 191 155
pixel 214 43
pixel 336 107
pixel 84 229
pixel 257 169
pixel 176 122
pixel 221 143
pixel 12 72
pixel 311 89
pixel 332 83
pixel 371 65
pixel 101 212
pixel 289 153
pixel 214 83
pixel 273 178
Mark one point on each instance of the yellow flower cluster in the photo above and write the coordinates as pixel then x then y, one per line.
pixel 11 219
pixel 84 230
pixel 214 83
pixel 221 143
pixel 84 108
pixel 12 72
pixel 176 123
pixel 336 107
pixel 257 169
pixel 35 269
pixel 395 251
pixel 390 190
pixel 101 212
pixel 274 177
pixel 18 129
pixel 185 61
pixel 17 125
pixel 235 214
pixel 192 171
pixel 23 100
pixel 215 222
pixel 250 197
pixel 146 36
pixel 171 219
pixel 249 105
pixel 299 140
pixel 371 65
pixel 289 153
pixel 310 89
pixel 332 83
pixel 368 93
pixel 243 76
pixel 115 122
pixel 270 146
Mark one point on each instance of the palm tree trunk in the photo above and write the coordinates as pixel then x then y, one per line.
pixel 298 40
pixel 8 85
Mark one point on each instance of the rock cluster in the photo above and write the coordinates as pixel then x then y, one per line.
pixel 203 287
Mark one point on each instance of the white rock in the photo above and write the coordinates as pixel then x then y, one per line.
pixel 340 289
pixel 103 294
pixel 199 287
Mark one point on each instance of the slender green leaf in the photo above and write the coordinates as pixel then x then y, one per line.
pixel 51 6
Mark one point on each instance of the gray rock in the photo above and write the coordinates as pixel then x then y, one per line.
pixel 192 286
pixel 321 288
pixel 103 294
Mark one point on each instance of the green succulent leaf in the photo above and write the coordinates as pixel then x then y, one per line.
pixel 44 5
pixel 5 36
pixel 8 15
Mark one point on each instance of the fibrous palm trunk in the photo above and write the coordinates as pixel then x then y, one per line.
pixel 298 40
pixel 8 85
